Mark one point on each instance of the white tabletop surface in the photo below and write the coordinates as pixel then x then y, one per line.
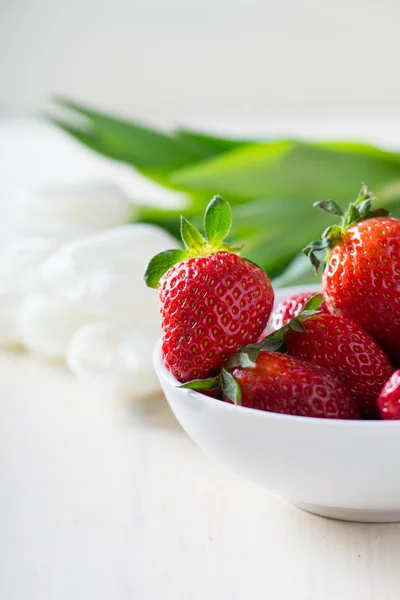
pixel 104 499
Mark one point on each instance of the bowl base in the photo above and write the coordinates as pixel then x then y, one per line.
pixel 348 514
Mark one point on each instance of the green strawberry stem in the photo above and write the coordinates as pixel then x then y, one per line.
pixel 247 355
pixel 359 210
pixel 217 224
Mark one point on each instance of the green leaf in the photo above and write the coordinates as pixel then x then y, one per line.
pixel 305 314
pixel 160 264
pixel 191 237
pixel 315 261
pixel 296 325
pixel 243 358
pixel 271 231
pixel 275 341
pixel 364 194
pixel 379 212
pixel 312 251
pixel 201 384
pixel 330 207
pixel 230 387
pixel 82 137
pixel 272 345
pixel 364 208
pixel 241 164
pixel 361 149
pixel 298 272
pixel 252 351
pixel 314 303
pixel 133 143
pixel 352 216
pixel 307 171
pixel 271 185
pixel 208 145
pixel 217 221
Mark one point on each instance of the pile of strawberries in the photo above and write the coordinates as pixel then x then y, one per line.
pixel 331 355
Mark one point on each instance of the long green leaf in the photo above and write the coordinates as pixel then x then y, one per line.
pixel 81 136
pixel 209 145
pixel 361 148
pixel 271 185
pixel 289 169
pixel 133 143
pixel 275 230
pixel 298 272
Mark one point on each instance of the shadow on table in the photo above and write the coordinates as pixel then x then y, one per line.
pixel 151 411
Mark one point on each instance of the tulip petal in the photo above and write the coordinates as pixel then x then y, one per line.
pixel 115 358
pixel 46 325
pixel 69 211
pixel 103 273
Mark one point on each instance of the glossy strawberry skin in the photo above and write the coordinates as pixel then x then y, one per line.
pixel 389 399
pixel 343 348
pixel 282 384
pixel 292 307
pixel 209 306
pixel 362 281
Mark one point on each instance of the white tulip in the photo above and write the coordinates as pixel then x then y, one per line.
pixel 21 259
pixel 10 301
pixel 19 275
pixel 46 325
pixel 102 273
pixel 71 210
pixel 116 358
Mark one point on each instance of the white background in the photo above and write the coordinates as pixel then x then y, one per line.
pixel 222 59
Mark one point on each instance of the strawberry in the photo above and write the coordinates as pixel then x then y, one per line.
pixel 342 347
pixel 212 300
pixel 389 399
pixel 258 377
pixel 282 384
pixel 279 383
pixel 361 280
pixel 290 308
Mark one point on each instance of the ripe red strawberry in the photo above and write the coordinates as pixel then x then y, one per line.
pixel 257 377
pixel 361 280
pixel 290 308
pixel 343 348
pixel 389 399
pixel 282 384
pixel 212 301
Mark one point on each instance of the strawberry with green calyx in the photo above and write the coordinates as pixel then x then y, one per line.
pixel 259 377
pixel 358 211
pixel 361 280
pixel 344 348
pixel 212 300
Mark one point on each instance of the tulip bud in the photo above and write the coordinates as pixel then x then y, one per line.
pixel 46 325
pixel 71 210
pixel 19 265
pixel 10 300
pixel 20 261
pixel 102 274
pixel 115 358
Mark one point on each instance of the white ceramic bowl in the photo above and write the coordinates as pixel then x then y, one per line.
pixel 341 469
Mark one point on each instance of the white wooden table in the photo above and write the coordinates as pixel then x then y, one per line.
pixel 104 500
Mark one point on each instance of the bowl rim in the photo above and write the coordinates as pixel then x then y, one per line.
pixel 214 404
